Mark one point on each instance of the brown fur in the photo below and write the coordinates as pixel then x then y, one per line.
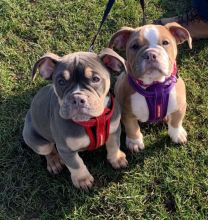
pixel 124 39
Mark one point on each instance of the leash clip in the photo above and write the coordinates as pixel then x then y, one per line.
pixel 91 48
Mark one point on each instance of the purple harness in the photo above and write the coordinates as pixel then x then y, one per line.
pixel 156 95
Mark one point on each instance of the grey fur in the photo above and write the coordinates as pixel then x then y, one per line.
pixel 45 127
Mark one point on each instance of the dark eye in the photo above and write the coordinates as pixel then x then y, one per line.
pixel 135 46
pixel 61 82
pixel 165 43
pixel 95 79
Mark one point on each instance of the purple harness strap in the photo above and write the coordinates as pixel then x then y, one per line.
pixel 156 95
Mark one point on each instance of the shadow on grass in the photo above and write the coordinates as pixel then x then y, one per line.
pixel 26 180
pixel 155 147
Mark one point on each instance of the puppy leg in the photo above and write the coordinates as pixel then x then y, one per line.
pixel 115 156
pixel 41 146
pixel 38 144
pixel 80 175
pixel 134 137
pixel 175 129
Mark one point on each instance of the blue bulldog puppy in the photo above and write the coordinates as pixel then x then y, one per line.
pixel 75 113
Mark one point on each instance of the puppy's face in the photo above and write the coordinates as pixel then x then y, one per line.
pixel 81 82
pixel 151 50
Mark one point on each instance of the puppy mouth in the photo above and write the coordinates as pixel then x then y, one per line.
pixel 81 114
pixel 150 69
pixel 75 113
pixel 80 117
pixel 78 114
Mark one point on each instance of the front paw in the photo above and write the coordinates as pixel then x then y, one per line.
pixel 178 135
pixel 119 160
pixel 135 145
pixel 82 179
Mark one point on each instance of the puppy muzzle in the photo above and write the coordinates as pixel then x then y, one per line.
pixel 80 106
pixel 154 60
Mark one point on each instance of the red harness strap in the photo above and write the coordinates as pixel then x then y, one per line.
pixel 101 125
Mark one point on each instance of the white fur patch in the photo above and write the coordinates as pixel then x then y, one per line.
pixel 151 35
pixel 77 90
pixel 135 144
pixel 139 107
pixel 178 135
pixel 172 103
pixel 82 171
pixel 78 144
pixel 43 149
pixel 155 75
pixel 81 177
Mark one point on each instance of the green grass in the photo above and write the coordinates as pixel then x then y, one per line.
pixel 165 181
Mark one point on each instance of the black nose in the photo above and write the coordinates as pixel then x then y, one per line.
pixel 150 55
pixel 78 101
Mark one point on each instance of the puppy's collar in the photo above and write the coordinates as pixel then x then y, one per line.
pixel 156 94
pixel 98 128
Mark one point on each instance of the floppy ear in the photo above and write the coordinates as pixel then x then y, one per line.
pixel 120 38
pixel 112 60
pixel 46 65
pixel 180 33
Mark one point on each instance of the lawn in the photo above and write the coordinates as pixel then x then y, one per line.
pixel 165 181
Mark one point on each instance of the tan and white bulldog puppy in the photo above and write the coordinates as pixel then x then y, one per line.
pixel 151 52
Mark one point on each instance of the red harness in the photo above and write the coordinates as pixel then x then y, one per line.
pixel 100 125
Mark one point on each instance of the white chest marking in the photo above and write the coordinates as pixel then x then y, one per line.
pixel 172 104
pixel 140 108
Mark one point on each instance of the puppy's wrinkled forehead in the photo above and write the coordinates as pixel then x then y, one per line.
pixel 153 34
pixel 82 64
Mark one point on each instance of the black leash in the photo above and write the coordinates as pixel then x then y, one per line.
pixel 143 13
pixel 105 15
